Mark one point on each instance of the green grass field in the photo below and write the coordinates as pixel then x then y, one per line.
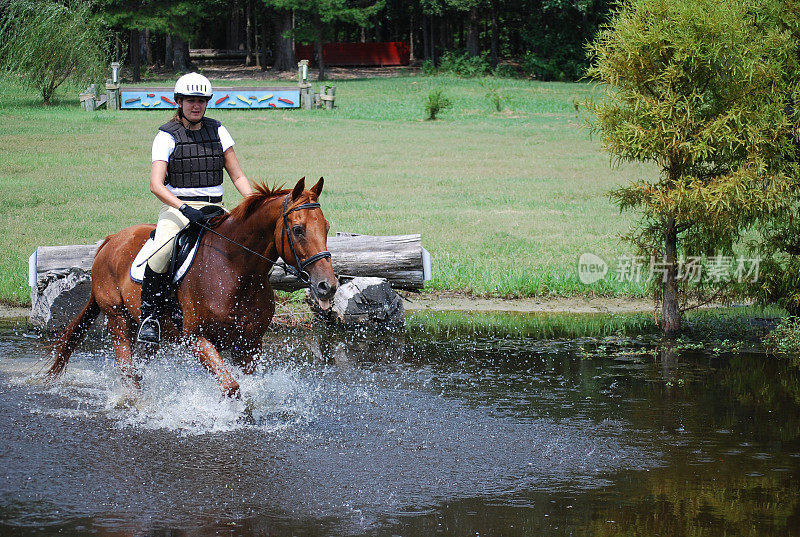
pixel 505 201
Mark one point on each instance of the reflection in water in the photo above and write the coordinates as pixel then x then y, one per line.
pixel 533 428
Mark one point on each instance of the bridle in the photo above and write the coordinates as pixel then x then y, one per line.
pixel 299 270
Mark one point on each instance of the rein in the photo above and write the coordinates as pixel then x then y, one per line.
pixel 298 271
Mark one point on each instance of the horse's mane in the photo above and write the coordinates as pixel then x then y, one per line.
pixel 262 193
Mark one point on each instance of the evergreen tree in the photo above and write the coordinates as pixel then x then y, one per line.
pixel 698 88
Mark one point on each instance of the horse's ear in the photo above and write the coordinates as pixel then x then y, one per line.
pixel 317 189
pixel 298 188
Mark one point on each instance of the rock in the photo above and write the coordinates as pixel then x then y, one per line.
pixel 364 302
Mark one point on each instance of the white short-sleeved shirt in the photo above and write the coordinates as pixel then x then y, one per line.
pixel 164 145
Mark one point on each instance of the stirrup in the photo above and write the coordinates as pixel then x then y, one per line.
pixel 149 331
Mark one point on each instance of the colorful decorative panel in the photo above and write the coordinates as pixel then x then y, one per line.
pixel 160 98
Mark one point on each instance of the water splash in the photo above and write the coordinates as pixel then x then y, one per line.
pixel 177 394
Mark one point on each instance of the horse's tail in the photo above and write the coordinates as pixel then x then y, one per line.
pixel 74 334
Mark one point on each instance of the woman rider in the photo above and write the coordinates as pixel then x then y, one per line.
pixel 189 154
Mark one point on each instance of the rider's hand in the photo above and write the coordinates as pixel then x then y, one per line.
pixel 195 216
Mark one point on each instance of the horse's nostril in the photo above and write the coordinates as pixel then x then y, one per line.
pixel 323 287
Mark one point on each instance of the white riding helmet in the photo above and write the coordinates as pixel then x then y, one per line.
pixel 193 85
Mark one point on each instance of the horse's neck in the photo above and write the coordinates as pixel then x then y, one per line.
pixel 257 232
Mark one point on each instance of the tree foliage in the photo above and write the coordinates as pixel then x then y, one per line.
pixel 555 33
pixel 318 17
pixel 700 89
pixel 176 17
pixel 541 38
pixel 46 43
pixel 778 244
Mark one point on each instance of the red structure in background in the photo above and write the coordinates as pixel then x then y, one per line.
pixel 364 54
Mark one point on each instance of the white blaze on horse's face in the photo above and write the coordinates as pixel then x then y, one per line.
pixel 304 241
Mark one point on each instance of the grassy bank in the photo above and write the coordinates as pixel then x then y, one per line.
pixel 505 201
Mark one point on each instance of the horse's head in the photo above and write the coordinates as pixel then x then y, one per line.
pixel 301 238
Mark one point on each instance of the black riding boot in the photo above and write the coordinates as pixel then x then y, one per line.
pixel 154 290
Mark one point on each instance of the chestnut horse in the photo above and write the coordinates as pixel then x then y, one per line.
pixel 225 296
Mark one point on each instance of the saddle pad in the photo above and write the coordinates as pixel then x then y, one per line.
pixel 137 268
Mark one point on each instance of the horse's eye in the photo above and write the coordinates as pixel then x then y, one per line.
pixel 298 230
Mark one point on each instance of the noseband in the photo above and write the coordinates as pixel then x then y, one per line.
pixel 300 269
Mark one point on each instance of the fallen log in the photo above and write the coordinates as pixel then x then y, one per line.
pixel 400 259
pixel 60 276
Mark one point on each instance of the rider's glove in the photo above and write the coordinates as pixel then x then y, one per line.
pixel 195 216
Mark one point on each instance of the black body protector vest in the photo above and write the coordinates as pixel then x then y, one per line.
pixel 198 160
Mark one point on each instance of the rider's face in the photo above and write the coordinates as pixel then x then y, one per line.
pixel 194 108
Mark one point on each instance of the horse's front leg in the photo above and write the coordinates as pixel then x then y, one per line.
pixel 211 359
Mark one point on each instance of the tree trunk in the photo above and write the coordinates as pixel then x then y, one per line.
pixel 257 41
pixel 248 59
pixel 284 42
pixel 318 55
pixel 671 315
pixel 264 40
pixel 169 54
pixel 495 54
pixel 136 61
pixel 432 27
pixel 426 38
pixel 445 34
pixel 412 56
pixel 117 47
pixel 233 37
pixel 472 32
pixel 148 50
pixel 180 54
pixel 395 32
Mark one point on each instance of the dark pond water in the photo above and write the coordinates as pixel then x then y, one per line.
pixel 460 425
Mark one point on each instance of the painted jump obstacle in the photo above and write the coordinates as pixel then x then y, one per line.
pixel 119 98
pixel 369 269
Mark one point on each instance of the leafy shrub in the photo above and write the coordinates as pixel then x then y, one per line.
pixel 45 43
pixel 778 248
pixel 437 102
pixel 505 70
pixel 461 64
pixel 494 97
pixel 560 67
pixel 428 68
pixel 785 338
